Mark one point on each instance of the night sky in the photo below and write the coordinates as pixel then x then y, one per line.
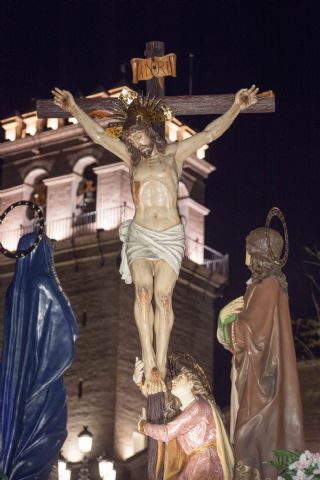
pixel 262 161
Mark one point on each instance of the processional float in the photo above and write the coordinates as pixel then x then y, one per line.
pixel 152 253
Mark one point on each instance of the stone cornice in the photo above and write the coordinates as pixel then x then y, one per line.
pixel 199 165
pixel 189 202
pixel 113 167
pixel 11 190
pixel 61 179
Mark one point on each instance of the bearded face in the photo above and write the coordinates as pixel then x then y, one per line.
pixel 142 142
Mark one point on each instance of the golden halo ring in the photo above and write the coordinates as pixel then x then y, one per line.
pixel 276 212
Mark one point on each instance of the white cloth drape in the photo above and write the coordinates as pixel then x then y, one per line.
pixel 140 242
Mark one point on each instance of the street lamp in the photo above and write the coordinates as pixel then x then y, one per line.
pixel 85 440
pixel 63 472
pixel 85 446
pixel 66 475
pixel 106 470
pixel 62 466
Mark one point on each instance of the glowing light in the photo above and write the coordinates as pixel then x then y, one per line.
pixel 52 123
pixel 66 475
pixel 85 440
pixel 31 124
pixel 71 451
pixel 62 466
pixel 73 120
pixel 10 130
pixel 106 469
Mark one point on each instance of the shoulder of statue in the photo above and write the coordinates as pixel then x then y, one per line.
pixel 269 287
pixel 171 148
pixel 196 406
pixel 203 403
pixel 271 282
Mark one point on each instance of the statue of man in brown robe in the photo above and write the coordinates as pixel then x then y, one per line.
pixel 266 412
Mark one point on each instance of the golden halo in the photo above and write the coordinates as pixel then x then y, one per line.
pixel 276 212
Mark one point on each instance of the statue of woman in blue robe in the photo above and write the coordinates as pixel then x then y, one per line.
pixel 39 334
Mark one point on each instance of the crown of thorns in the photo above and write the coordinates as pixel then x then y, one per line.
pixel 134 109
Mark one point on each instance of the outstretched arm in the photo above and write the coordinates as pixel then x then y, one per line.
pixel 243 99
pixel 65 100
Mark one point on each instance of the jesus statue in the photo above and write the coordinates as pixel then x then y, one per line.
pixel 154 241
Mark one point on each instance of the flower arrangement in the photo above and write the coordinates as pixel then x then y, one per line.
pixel 297 466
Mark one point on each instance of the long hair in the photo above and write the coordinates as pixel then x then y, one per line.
pixel 156 140
pixel 200 391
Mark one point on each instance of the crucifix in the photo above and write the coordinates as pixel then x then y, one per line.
pixel 154 241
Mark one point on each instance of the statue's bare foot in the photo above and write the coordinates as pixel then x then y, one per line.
pixel 162 370
pixel 155 384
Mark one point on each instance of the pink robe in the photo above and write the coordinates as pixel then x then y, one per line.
pixel 194 427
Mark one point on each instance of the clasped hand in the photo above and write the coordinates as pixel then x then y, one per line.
pixel 232 308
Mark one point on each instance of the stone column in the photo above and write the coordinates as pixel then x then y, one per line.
pixel 11 228
pixel 193 214
pixel 60 199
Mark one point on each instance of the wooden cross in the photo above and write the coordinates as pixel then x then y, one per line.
pixel 182 104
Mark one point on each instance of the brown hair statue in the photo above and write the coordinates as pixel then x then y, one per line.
pixel 266 412
pixel 196 445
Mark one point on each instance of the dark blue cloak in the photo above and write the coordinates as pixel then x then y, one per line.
pixel 39 334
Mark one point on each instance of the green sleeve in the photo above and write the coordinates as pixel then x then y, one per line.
pixel 223 327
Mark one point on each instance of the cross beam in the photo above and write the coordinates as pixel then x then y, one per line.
pixel 183 105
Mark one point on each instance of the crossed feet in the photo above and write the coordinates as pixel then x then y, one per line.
pixel 153 382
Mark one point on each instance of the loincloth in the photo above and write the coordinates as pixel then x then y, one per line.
pixel 140 242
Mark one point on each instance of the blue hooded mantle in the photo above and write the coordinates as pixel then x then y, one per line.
pixel 39 334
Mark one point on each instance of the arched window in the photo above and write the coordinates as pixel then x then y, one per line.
pixel 36 191
pixel 87 190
